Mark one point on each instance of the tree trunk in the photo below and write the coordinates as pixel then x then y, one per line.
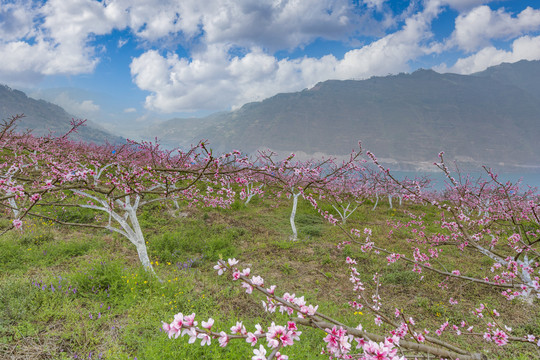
pixel 293 214
pixel 143 257
pixel 376 201
pixel 140 243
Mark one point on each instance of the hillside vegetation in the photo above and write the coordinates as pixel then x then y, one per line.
pixel 112 252
pixel 70 293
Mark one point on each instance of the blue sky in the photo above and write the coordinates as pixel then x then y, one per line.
pixel 126 62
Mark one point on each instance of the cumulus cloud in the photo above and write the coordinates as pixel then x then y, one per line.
pixel 53 39
pixel 16 20
pixel 83 109
pixel 463 5
pixel 477 28
pixel 377 4
pixel 216 77
pixel 213 79
pixel 525 47
pixel 269 24
pixel 231 46
pixel 130 110
pixel 72 22
pixel 56 37
pixel 88 106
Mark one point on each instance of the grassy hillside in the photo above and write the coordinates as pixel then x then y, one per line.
pixel 73 293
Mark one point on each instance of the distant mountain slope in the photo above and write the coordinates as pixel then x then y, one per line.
pixel 491 117
pixel 42 116
pixel 522 74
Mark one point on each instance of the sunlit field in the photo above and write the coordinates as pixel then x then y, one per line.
pixel 133 251
pixel 75 293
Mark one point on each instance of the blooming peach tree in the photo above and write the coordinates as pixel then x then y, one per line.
pixel 114 180
pixel 494 219
pixel 303 178
pixel 341 341
pixel 23 179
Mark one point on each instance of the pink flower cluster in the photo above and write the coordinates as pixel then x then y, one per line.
pixel 338 346
pixel 276 336
pixel 382 351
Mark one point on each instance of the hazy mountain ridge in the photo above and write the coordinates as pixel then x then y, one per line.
pixel 523 74
pixel 491 117
pixel 42 117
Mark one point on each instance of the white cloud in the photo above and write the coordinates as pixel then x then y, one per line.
pixel 130 110
pixel 525 47
pixel 213 79
pixel 268 24
pixel 72 22
pixel 88 106
pixel 231 45
pixel 377 4
pixel 56 37
pixel 121 43
pixel 463 5
pixel 478 27
pixel 24 63
pixel 16 20
pixel 83 109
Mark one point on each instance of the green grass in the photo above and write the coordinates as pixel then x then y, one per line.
pixel 67 292
pixel 193 238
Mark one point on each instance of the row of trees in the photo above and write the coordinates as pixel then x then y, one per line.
pixel 45 172
pixel 498 221
pixel 495 220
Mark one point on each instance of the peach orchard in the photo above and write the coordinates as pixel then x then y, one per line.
pixel 499 221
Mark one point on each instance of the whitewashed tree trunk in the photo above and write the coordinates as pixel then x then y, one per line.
pixel 145 260
pixel 176 205
pixel 294 236
pixel 376 201
pixel 345 212
pixel 14 207
pixel 528 296
pixel 250 193
pixel 390 200
pixel 486 212
pixel 129 224
pixel 12 203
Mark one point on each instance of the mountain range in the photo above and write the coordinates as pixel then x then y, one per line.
pixel 491 117
pixel 43 117
pixel 486 118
